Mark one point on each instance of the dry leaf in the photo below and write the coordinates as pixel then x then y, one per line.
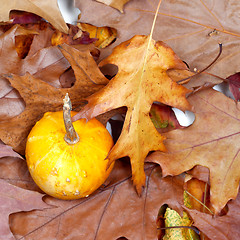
pixel 14 199
pixel 192 29
pixel 118 4
pixel 212 141
pixel 48 10
pixel 6 151
pixel 104 35
pixel 163 118
pixel 112 212
pixel 47 64
pixel 70 38
pixel 220 227
pixel 40 97
pixel 141 80
pixel 234 85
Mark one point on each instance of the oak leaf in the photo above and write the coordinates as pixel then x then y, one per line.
pixel 115 203
pixel 48 10
pixel 224 227
pixel 14 199
pixel 6 151
pixel 40 97
pixel 46 63
pixel 141 80
pixel 193 30
pixel 212 141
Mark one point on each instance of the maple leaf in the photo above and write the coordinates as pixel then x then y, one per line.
pixel 221 227
pixel 14 199
pixel 234 85
pixel 115 4
pixel 40 97
pixel 49 11
pixel 116 203
pixel 212 141
pixel 141 80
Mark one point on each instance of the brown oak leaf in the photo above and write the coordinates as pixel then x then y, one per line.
pixel 212 141
pixel 113 211
pixel 14 199
pixel 48 10
pixel 142 79
pixel 193 30
pixel 6 150
pixel 40 97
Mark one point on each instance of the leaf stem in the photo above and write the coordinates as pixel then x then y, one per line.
pixel 71 136
pixel 219 54
pixel 189 227
pixel 199 202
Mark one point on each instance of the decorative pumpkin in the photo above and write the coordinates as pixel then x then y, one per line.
pixel 68 161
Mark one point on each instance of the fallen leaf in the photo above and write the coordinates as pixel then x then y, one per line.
pixel 234 85
pixel 105 35
pixel 48 10
pixel 163 118
pixel 21 17
pixel 46 58
pixel 173 219
pixel 220 227
pixel 14 171
pixel 60 37
pixel 212 141
pixel 141 80
pixel 40 97
pixel 118 4
pixel 6 151
pixel 115 207
pixel 200 172
pixel 14 199
pixel 192 29
pixel 48 64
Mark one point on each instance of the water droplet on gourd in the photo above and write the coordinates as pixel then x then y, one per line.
pixel 84 174
pixel 67 180
pixel 77 192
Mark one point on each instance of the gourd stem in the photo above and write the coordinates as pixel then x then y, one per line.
pixel 71 136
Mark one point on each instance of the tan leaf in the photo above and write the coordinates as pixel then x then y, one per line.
pixel 118 4
pixel 192 28
pixel 141 80
pixel 49 10
pixel 112 212
pixel 14 199
pixel 40 97
pixel 212 141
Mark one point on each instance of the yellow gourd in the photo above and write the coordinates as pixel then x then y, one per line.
pixel 68 166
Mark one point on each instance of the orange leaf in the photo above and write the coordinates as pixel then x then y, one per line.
pixel 141 80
